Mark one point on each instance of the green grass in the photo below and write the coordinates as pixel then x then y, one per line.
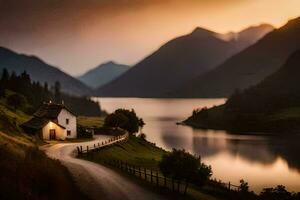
pixel 141 153
pixel 95 122
pixel 135 151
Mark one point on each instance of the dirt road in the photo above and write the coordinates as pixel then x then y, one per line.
pixel 97 181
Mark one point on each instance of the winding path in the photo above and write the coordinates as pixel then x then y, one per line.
pixel 97 181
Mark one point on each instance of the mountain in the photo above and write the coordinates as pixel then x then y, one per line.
pixel 41 71
pixel 248 67
pixel 272 105
pixel 103 74
pixel 248 36
pixel 178 61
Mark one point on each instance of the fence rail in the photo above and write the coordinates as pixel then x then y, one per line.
pixel 152 176
pixel 149 175
pixel 98 145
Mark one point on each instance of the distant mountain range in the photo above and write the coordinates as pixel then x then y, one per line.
pixel 273 105
pixel 41 71
pixel 103 74
pixel 248 67
pixel 181 60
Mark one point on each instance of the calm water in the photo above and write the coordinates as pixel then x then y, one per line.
pixel 262 161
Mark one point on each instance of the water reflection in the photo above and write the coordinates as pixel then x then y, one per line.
pixel 263 161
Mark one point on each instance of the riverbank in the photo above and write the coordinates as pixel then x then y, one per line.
pixel 218 118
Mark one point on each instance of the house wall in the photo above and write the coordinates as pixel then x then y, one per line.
pixel 72 126
pixel 60 132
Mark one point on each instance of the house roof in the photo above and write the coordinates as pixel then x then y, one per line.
pixel 38 123
pixel 50 110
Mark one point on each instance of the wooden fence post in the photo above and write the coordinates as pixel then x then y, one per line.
pixel 87 149
pixel 81 149
pixel 78 150
pixel 151 176
pixel 229 185
pixel 145 174
pixel 165 181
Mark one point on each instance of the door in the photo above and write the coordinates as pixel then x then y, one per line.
pixel 52 134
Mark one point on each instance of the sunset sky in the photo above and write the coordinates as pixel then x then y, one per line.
pixel 77 35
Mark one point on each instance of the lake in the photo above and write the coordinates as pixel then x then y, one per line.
pixel 263 161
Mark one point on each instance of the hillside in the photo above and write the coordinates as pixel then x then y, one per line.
pixel 103 74
pixel 26 171
pixel 248 67
pixel 41 71
pixel 272 105
pixel 178 61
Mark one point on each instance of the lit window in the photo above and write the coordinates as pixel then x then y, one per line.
pixel 67 121
pixel 68 133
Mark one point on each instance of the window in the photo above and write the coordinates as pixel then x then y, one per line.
pixel 68 132
pixel 67 121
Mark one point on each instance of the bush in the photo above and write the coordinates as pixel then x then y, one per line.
pixel 83 132
pixel 181 165
pixel 143 136
pixel 125 119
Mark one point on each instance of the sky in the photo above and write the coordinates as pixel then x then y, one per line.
pixel 77 35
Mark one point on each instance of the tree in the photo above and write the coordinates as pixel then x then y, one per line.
pixel 181 165
pixel 244 187
pixel 5 75
pixel 57 93
pixel 125 119
pixel 16 101
pixel 278 193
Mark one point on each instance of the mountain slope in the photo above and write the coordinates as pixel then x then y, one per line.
pixel 103 74
pixel 272 105
pixel 40 71
pixel 247 67
pixel 178 61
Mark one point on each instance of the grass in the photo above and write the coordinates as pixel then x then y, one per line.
pixel 141 153
pixel 30 174
pixel 135 151
pixel 95 122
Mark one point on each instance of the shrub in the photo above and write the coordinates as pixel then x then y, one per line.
pixel 125 119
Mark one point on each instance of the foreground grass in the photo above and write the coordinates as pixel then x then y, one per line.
pixel 141 153
pixel 95 122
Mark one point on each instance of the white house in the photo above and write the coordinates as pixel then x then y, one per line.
pixel 52 122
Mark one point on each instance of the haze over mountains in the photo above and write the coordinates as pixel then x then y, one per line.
pixel 248 67
pixel 103 74
pixel 41 71
pixel 181 60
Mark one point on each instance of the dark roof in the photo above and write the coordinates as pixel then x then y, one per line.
pixel 50 110
pixel 38 123
pixel 35 123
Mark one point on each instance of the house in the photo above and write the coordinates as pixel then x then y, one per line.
pixel 52 122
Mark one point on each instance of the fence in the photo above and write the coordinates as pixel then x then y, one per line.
pixel 152 176
pixel 228 185
pixel 98 145
pixel 149 175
